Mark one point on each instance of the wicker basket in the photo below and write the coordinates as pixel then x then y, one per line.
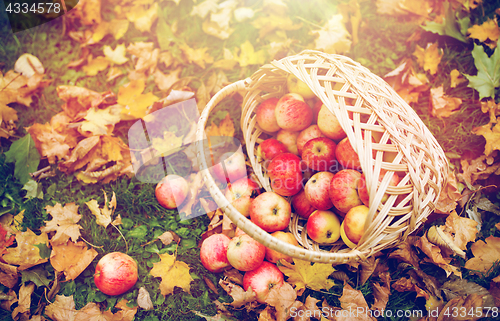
pixel 378 111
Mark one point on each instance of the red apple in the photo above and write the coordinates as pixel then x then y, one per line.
pixel 234 164
pixel 354 223
pixel 301 205
pixel 344 190
pixel 241 193
pixel 306 135
pixel 266 117
pixel 171 191
pixel 213 252
pixel 317 190
pixel 346 156
pixel 295 85
pixel 274 256
pixel 115 273
pixel 330 125
pixel 289 139
pixel 270 211
pixel 292 113
pixel 239 232
pixel 363 189
pixel 270 148
pixel 323 227
pixel 285 173
pixel 262 280
pixel 244 253
pixel 319 154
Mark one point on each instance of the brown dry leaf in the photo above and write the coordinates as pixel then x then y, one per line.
pixel 282 299
pixel 435 255
pixel 449 195
pixel 28 65
pixel 240 296
pixel 491 133
pixel 91 312
pixel 9 301
pixel 71 258
pixel 403 284
pixel 125 313
pixel 103 216
pixel 64 223
pixel 195 183
pixel 216 81
pixel 26 254
pixel 88 12
pixel 198 56
pixel 307 310
pixel 381 292
pixel 429 58
pixel 485 255
pixel 8 275
pixel 24 301
pixel 463 228
pixel 167 238
pixel 442 105
pixel 407 82
pixel 302 274
pixel 234 275
pixel 333 37
pixel 100 121
pixel 353 300
pixel 404 7
pixel 49 142
pixel 404 251
pixel 78 100
pixel 147 56
pixel 172 273
pixel 473 302
pixel 491 108
pixel 165 82
pixel 144 299
pixel 368 266
pixel 478 169
pixel 488 32
pixel 62 309
pixel 143 16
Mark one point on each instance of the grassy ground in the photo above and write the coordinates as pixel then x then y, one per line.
pixel 381 47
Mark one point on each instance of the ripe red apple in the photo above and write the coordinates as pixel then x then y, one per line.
pixel 319 154
pixel 323 227
pixel 266 117
pixel 317 190
pixel 115 273
pixel 292 113
pixel 354 223
pixel 274 256
pixel 289 139
pixel 306 135
pixel 330 125
pixel 235 167
pixel 285 173
pixel 270 148
pixel 295 85
pixel 244 253
pixel 346 156
pixel 171 191
pixel 262 280
pixel 241 194
pixel 363 189
pixel 270 211
pixel 301 205
pixel 213 252
pixel 344 190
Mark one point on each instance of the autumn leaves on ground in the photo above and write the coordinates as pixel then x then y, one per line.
pixel 71 89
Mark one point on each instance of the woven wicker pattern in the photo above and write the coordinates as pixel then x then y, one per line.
pixel 385 132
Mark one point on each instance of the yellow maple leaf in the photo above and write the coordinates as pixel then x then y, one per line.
pixel 27 252
pixel 115 27
pixel 49 142
pixel 64 222
pixel 485 254
pixel 135 103
pixel 103 216
pixel 100 121
pixel 95 65
pixel 63 308
pixel 333 37
pixel 492 136
pixel 429 58
pixel 199 56
pixel 172 273
pixel 248 55
pixel 302 274
pixel 167 145
pixel 489 30
pixel 143 17
pixel 71 258
pixel 116 56
pixel 455 78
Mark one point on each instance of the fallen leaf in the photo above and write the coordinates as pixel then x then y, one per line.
pixel 435 255
pixel 485 255
pixel 62 309
pixel 28 65
pixel 94 65
pixel 461 288
pixel 429 58
pixel 165 82
pixel 407 82
pixel 172 272
pixel 6 239
pixel 449 196
pixel 135 103
pixel 195 183
pixel 473 302
pixel 24 302
pixel 71 258
pixel 403 284
pixel 240 296
pixel 487 32
pixel 78 100
pixel 100 121
pixel 405 252
pixel 167 238
pixel 302 274
pixel 381 292
pixel 144 299
pixel 143 17
pixel 116 56
pixel 64 222
pixel 282 298
pixel 92 312
pixel 27 252
pixel 147 55
pixel 103 216
pixel 88 12
pixel 464 229
pixel 307 310
pixel 442 105
pixel 198 56
pixel 167 144
pixel 8 275
pixel 50 143
pixel 353 300
pixel 333 38
pixel 488 73
pixel 491 134
pixel 456 78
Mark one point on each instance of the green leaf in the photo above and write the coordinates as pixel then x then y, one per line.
pixel 164 33
pixel 449 27
pixel 44 250
pixel 488 72
pixel 138 232
pixel 26 156
pixel 37 275
pixel 33 189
